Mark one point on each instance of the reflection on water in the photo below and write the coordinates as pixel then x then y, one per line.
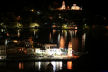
pixel 83 39
pixel 62 42
pixel 69 65
pixel 21 66
pixel 18 33
pixel 70 49
pixel 52 66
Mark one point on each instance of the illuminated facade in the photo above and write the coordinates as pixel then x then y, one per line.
pixel 52 50
pixel 64 7
pixel 75 7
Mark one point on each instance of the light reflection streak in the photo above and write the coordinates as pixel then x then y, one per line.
pixel 60 65
pixel 83 39
pixel 69 64
pixel 54 31
pixel 58 37
pixel 21 66
pixel 50 36
pixel 75 32
pixel 65 32
pixel 62 42
pixel 106 27
pixel 75 43
pixel 34 32
pixel 6 42
pixel 70 49
pixel 39 65
pixel 54 65
pixel 57 65
pixel 70 33
pixel 18 34
pixel 7 34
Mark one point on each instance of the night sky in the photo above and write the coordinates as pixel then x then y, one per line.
pixel 93 6
pixel 38 4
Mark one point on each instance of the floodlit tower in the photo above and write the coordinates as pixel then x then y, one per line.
pixel 63 5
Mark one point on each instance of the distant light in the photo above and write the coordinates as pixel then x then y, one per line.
pixel 50 17
pixel 2 30
pixel 60 17
pixel 18 18
pixel 1 23
pixel 106 27
pixel 19 25
pixel 0 57
pixel 54 26
pixel 46 23
pixel 32 10
pixel 76 27
pixel 7 34
pixel 15 41
pixel 38 13
pixel 64 26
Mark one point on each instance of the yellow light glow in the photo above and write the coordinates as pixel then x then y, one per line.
pixel 15 41
pixel 32 10
pixel 64 26
pixel 19 25
pixel 32 25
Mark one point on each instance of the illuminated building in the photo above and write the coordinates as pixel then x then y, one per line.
pixel 64 7
pixel 52 49
pixel 62 42
pixel 75 7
